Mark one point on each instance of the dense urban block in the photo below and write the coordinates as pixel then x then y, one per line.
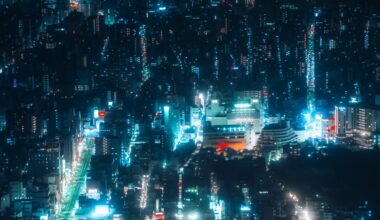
pixel 190 109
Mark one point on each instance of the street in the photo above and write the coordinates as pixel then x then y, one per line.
pixel 76 184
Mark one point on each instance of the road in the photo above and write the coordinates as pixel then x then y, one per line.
pixel 144 191
pixel 76 184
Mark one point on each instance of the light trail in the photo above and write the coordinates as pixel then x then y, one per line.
pixel 247 197
pixel 132 141
pixel 301 212
pixel 178 57
pixel 180 206
pixel 180 181
pixel 214 200
pixel 75 186
pixel 144 191
pixel 103 54
pixel 198 138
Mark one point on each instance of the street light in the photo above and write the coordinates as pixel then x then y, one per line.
pixel 179 216
pixel 193 216
pixel 306 215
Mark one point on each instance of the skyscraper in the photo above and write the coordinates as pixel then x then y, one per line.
pixel 310 71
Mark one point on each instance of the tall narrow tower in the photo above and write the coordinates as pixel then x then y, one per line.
pixel 310 71
pixel 216 63
pixel 366 35
pixel 144 55
pixel 249 48
pixel 279 60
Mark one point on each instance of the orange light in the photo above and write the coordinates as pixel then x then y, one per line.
pixel 234 146
pixel 102 113
pixel 74 5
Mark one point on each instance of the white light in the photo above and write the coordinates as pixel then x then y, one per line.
pixel 166 108
pixel 307 117
pixel 110 103
pixel 101 210
pixel 86 131
pixel 354 100
pixel 93 194
pixel 179 216
pixel 96 113
pixel 306 215
pixel 242 105
pixel 116 216
pixel 97 125
pixel 245 208
pixel 92 191
pixel 193 216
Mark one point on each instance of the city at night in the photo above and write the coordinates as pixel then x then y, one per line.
pixel 190 109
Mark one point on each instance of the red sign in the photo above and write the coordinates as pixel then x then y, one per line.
pixel 102 113
pixel 158 216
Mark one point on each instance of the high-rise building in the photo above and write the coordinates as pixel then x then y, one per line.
pixel 215 2
pixel 237 137
pixel 340 121
pixel 144 53
pixel 46 83
pixel 17 190
pixel 249 3
pixel 310 73
pixel 23 122
pixel 358 122
pixel 46 159
pixel 3 119
pixel 86 7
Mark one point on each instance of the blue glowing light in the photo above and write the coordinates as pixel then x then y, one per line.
pixel 242 105
pixel 101 210
pixel 96 113
pixel 245 208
